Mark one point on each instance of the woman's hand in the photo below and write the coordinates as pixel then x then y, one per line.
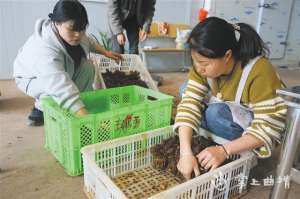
pixel 81 112
pixel 115 56
pixel 143 35
pixel 188 164
pixel 121 39
pixel 212 157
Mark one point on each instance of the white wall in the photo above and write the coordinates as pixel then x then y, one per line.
pixel 17 18
pixel 292 52
pixel 97 12
pixel 17 21
pixel 276 25
pixel 177 11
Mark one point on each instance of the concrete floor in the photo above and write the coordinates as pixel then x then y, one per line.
pixel 27 170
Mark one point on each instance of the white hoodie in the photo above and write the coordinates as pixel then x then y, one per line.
pixel 44 57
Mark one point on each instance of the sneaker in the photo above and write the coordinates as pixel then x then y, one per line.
pixel 36 118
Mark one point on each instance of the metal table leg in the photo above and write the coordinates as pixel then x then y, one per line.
pixel 290 144
pixel 295 175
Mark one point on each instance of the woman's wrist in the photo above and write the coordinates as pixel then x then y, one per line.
pixel 225 152
pixel 185 139
pixel 186 152
pixel 106 53
pixel 227 148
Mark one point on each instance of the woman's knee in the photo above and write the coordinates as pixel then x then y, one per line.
pixel 32 87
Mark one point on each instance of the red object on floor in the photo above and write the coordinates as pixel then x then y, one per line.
pixel 202 14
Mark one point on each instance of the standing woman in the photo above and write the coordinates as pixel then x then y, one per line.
pixel 53 61
pixel 230 64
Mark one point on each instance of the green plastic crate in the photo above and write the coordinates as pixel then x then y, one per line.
pixel 114 113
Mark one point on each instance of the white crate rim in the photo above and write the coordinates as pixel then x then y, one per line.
pixel 131 62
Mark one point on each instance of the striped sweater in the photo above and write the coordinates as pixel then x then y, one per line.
pixel 259 94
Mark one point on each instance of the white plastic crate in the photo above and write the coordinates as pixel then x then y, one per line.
pixel 130 62
pixel 116 157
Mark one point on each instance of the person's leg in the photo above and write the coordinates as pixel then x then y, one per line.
pixel 33 88
pixel 116 47
pixel 218 120
pixel 84 76
pixel 132 30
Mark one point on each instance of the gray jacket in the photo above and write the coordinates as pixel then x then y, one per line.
pixel 44 57
pixel 119 10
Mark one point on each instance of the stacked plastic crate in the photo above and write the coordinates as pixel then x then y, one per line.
pixel 113 113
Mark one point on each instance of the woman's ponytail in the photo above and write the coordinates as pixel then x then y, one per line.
pixel 50 15
pixel 250 45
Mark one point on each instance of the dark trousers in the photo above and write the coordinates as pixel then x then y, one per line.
pixel 132 31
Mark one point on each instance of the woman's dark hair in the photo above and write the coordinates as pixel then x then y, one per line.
pixel 214 36
pixel 66 10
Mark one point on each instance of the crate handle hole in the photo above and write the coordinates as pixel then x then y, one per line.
pixel 151 98
pixel 53 119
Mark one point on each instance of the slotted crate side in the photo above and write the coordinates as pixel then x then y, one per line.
pixel 156 117
pixel 130 121
pixel 130 63
pixel 123 151
pixel 108 99
pixel 116 158
pixel 122 155
pixel 59 139
pixel 222 183
pixel 50 122
pixel 72 162
pixel 55 132
pixel 128 112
